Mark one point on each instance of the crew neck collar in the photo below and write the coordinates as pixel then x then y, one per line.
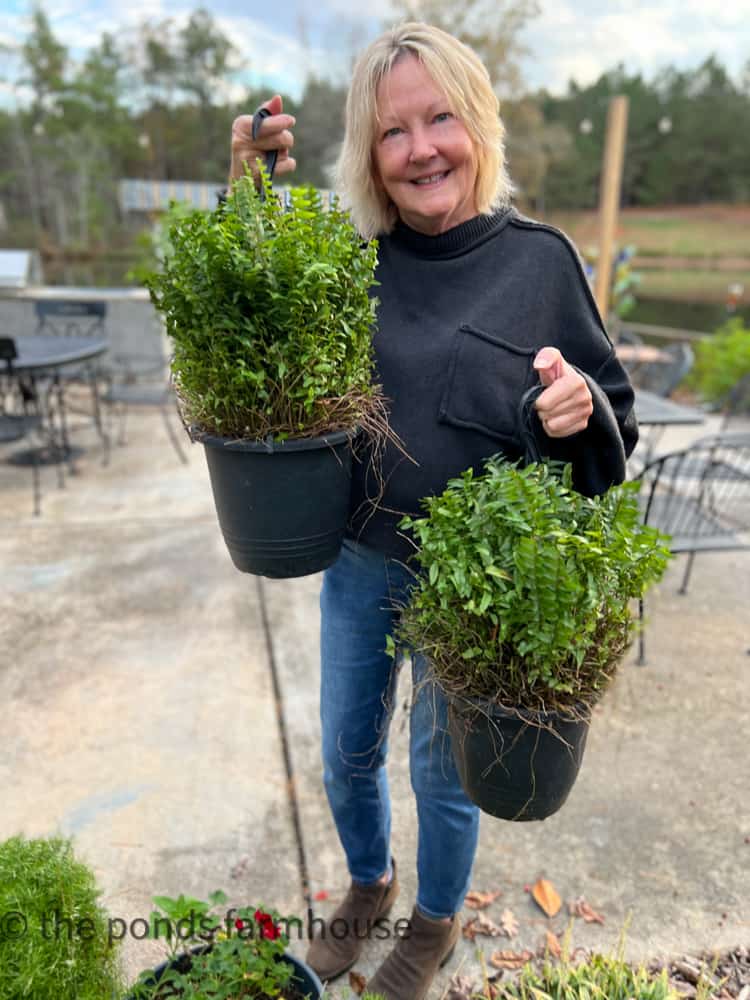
pixel 453 241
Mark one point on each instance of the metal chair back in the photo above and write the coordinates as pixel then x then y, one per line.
pixel 664 377
pixel 737 401
pixel 69 318
pixel 8 353
pixel 700 497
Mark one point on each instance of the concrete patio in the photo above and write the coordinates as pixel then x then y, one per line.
pixel 162 709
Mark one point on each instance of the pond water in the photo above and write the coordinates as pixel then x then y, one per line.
pixel 703 316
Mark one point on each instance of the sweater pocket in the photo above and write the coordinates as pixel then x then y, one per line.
pixel 486 378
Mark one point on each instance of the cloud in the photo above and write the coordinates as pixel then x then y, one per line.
pixel 571 38
pixel 582 40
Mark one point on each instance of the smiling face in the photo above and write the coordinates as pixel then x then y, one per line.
pixel 423 155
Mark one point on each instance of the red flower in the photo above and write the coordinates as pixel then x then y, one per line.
pixel 268 929
pixel 239 924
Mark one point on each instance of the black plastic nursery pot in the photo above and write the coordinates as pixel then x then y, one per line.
pixel 304 979
pixel 282 506
pixel 513 763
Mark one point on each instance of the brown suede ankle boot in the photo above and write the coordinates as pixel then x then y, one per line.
pixel 410 968
pixel 339 943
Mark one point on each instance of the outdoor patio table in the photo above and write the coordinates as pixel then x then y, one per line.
pixel 651 409
pixel 40 358
pixel 43 353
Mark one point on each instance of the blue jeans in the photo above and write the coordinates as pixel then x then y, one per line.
pixel 359 605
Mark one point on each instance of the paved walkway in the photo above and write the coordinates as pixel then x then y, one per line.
pixel 156 702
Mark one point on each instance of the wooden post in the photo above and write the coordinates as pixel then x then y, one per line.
pixel 609 198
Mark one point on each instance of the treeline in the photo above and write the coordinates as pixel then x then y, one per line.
pixel 156 106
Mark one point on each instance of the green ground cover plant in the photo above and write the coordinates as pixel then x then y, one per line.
pixel 525 585
pixel 599 978
pixel 721 361
pixel 58 945
pixel 269 312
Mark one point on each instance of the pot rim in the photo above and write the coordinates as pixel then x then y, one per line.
pixel 464 703
pixel 298 963
pixel 270 446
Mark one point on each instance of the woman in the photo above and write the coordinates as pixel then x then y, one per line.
pixel 477 304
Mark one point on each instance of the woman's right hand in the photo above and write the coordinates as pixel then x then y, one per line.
pixel 274 133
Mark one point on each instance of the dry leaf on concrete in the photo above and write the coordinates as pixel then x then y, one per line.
pixel 479 900
pixel 357 982
pixel 481 925
pixel 580 908
pixel 508 923
pixel 552 945
pixel 546 896
pixel 510 959
pixel 460 988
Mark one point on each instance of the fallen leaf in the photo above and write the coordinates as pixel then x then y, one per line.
pixel 509 924
pixel 481 925
pixel 460 988
pixel 546 896
pixel 511 960
pixel 241 868
pixel 552 945
pixel 479 900
pixel 320 895
pixel 357 982
pixel 580 908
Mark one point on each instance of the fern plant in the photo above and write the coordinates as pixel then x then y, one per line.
pixel 269 311
pixel 525 585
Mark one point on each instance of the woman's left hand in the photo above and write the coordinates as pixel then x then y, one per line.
pixel 565 405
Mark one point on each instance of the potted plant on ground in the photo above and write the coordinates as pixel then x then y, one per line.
pixel 242 956
pixel 522 607
pixel 269 311
pixel 54 939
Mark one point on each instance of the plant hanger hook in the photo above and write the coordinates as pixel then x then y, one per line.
pixel 271 154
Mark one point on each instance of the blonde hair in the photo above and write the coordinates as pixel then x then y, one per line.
pixel 460 74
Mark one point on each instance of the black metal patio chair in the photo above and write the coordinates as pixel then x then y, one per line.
pixel 736 402
pixel 142 385
pixel 77 318
pixel 18 417
pixel 700 496
pixel 663 377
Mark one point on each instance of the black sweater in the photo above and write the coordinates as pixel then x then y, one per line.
pixel 460 319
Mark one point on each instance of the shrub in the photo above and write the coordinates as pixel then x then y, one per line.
pixel 721 360
pixel 525 585
pixel 57 945
pixel 270 315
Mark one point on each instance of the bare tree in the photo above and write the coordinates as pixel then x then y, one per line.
pixel 490 27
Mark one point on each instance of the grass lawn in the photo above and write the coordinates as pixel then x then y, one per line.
pixel 678 230
pixel 694 286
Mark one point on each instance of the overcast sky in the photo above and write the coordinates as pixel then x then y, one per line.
pixel 282 41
